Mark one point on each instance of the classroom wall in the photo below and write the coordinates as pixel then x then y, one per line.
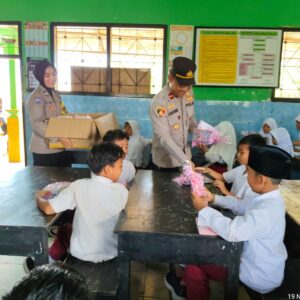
pixel 245 107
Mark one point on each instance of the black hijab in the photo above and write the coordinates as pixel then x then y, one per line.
pixel 39 72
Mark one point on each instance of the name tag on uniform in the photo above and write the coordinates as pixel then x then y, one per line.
pixel 173 112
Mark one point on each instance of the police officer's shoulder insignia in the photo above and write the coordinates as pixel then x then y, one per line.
pixel 38 100
pixel 189 97
pixel 161 111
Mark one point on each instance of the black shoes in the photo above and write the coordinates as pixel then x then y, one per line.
pixel 177 290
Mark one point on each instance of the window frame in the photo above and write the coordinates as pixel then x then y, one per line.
pixel 284 100
pixel 108 41
pixel 17 23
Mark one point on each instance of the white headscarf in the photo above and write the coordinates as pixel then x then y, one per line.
pixel 297 118
pixel 273 125
pixel 136 144
pixel 225 151
pixel 283 140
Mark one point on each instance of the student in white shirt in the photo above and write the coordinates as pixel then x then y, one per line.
pixel 98 201
pixel 282 139
pixel 260 224
pixel 221 155
pixel 139 148
pixel 120 138
pixel 268 125
pixel 237 176
pixel 296 143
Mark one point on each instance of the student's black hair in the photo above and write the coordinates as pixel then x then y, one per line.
pixel 254 139
pixel 50 282
pixel 102 155
pixel 115 135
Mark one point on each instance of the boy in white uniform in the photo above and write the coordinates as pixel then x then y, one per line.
pixel 260 224
pixel 237 176
pixel 98 201
pixel 121 138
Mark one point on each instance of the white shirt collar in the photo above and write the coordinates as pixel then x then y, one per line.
pixel 100 178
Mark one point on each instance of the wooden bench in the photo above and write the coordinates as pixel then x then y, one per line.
pixel 290 287
pixel 101 278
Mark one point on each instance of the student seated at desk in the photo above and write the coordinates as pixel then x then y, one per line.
pixel 98 201
pixel 139 148
pixel 121 138
pixel 260 224
pixel 221 155
pixel 237 176
pixel 268 125
pixel 296 143
pixel 281 139
pixel 50 282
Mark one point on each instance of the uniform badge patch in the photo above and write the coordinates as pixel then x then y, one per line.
pixel 38 100
pixel 176 126
pixel 170 106
pixel 161 111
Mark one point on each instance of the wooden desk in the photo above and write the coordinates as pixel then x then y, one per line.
pixel 290 191
pixel 23 227
pixel 159 225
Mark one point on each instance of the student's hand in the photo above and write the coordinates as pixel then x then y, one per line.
pixel 203 148
pixel 221 185
pixel 66 142
pixel 202 202
pixel 202 170
pixel 40 194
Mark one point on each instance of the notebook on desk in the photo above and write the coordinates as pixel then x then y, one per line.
pixel 203 230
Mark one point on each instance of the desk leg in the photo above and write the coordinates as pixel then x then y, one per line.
pixel 232 283
pixel 123 279
pixel 40 253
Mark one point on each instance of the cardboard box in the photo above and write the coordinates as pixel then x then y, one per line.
pixel 82 129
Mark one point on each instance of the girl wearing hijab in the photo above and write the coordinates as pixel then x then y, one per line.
pixel 296 143
pixel 44 102
pixel 281 139
pixel 268 125
pixel 221 155
pixel 139 148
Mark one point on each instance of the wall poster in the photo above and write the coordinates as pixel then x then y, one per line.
pixel 238 57
pixel 181 41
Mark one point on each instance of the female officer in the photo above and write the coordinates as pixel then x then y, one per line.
pixel 44 102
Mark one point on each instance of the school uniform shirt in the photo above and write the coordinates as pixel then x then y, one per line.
pixel 261 225
pixel 297 153
pixel 128 172
pixel 172 117
pixel 283 139
pixel 42 106
pixel 240 187
pixel 98 202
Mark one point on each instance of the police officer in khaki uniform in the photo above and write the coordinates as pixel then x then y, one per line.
pixel 172 114
pixel 44 102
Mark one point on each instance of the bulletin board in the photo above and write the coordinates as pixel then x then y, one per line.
pixel 237 57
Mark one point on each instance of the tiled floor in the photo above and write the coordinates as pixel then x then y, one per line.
pixel 147 280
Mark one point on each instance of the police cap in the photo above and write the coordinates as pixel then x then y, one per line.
pixel 183 69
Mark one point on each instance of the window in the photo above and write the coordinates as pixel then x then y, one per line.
pixel 9 40
pixel 289 83
pixel 109 59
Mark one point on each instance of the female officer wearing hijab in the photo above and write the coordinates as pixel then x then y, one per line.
pixel 44 102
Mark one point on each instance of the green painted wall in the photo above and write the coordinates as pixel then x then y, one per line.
pixel 237 13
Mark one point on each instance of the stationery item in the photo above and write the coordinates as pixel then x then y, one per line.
pixel 53 189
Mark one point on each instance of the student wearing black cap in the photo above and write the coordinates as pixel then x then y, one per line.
pixel 172 115
pixel 260 224
pixel 44 102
